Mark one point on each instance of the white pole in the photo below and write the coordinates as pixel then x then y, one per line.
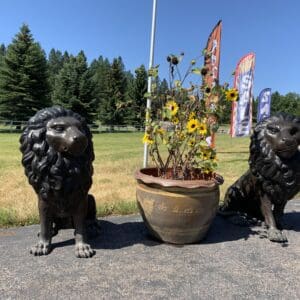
pixel 149 78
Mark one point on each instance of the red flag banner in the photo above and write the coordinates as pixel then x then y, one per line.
pixel 241 113
pixel 211 63
pixel 212 56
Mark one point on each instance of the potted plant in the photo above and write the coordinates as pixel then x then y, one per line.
pixel 178 196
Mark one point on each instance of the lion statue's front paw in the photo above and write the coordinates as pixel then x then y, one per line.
pixel 41 248
pixel 83 250
pixel 276 235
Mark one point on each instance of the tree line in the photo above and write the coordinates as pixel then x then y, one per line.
pixel 100 91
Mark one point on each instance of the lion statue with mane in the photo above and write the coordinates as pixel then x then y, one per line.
pixel 57 154
pixel 273 177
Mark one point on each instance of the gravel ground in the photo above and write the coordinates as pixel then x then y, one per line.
pixel 231 263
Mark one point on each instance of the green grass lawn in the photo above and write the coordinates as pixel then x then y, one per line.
pixel 118 155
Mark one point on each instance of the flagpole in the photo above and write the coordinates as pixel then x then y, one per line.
pixel 148 107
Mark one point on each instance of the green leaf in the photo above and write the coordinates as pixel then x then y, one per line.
pixel 153 72
pixel 215 127
pixel 147 95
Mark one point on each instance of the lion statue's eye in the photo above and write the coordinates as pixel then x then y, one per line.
pixel 273 129
pixel 293 131
pixel 59 128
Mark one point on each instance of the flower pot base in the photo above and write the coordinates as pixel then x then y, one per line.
pixel 177 215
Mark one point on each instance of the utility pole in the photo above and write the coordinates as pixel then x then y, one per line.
pixel 148 107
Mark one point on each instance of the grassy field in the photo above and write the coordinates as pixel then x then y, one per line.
pixel 118 155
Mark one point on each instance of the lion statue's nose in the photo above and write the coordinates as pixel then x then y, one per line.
pixel 77 145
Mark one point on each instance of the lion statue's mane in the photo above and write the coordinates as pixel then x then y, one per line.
pixel 277 177
pixel 48 171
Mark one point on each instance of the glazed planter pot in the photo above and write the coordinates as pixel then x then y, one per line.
pixel 176 211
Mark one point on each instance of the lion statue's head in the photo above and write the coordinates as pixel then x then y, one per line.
pixel 57 152
pixel 275 154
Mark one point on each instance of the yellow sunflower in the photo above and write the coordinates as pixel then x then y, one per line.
pixel 160 131
pixel 192 125
pixel 232 95
pixel 207 170
pixel 147 139
pixel 192 115
pixel 175 120
pixel 202 129
pixel 173 107
pixel 181 136
pixel 213 157
pixel 205 155
pixel 192 142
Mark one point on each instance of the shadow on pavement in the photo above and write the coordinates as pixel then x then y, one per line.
pixel 291 221
pixel 117 236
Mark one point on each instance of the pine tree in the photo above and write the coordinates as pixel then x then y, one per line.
pixel 129 104
pixel 23 78
pixel 74 88
pixel 111 111
pixel 139 101
pixel 159 102
pixel 2 52
pixel 55 64
pixel 100 70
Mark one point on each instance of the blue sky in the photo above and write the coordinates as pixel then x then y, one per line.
pixel 270 28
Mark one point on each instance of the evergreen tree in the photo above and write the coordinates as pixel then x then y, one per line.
pixel 65 57
pixel 290 103
pixel 55 64
pixel 2 52
pixel 139 101
pixel 111 111
pixel 23 78
pixel 100 70
pixel 74 88
pixel 129 104
pixel 162 88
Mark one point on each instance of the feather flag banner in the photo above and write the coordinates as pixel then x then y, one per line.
pixel 241 115
pixel 264 104
pixel 211 64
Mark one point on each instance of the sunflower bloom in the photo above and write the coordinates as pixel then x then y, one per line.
pixel 213 157
pixel 173 107
pixel 181 136
pixel 192 142
pixel 147 139
pixel 175 120
pixel 160 131
pixel 192 115
pixel 232 95
pixel 207 170
pixel 205 155
pixel 192 125
pixel 202 129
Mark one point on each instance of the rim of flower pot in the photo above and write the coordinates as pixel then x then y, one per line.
pixel 150 176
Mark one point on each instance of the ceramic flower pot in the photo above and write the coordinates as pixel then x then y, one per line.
pixel 176 211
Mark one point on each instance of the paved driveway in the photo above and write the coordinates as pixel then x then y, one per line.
pixel 231 263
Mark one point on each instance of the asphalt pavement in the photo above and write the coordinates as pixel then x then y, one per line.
pixel 232 262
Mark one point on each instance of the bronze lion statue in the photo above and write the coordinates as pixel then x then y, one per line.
pixel 57 154
pixel 273 177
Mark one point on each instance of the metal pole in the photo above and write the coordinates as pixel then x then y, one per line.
pixel 149 78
